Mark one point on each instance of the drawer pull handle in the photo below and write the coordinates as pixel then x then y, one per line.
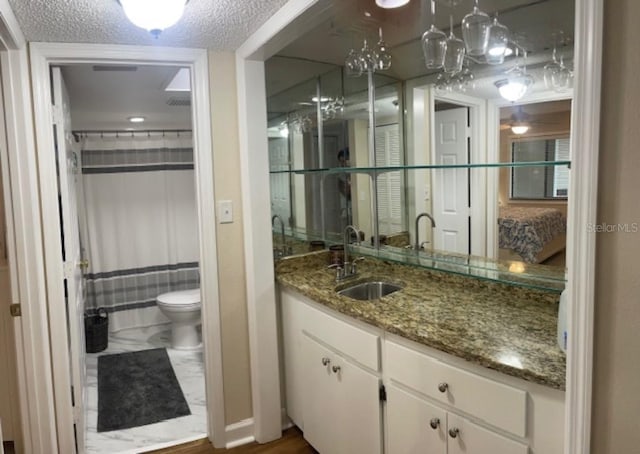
pixel 442 387
pixel 434 423
pixel 336 369
pixel 453 433
pixel 326 361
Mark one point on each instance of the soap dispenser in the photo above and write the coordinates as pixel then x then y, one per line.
pixel 562 321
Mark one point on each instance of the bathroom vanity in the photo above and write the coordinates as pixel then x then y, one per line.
pixel 447 364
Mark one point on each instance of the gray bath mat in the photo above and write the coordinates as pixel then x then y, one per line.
pixel 136 389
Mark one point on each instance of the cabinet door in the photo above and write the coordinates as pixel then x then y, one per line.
pixel 358 412
pixel 472 439
pixel 341 406
pixel 409 429
pixel 320 400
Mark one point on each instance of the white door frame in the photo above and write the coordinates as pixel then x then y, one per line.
pixel 24 243
pixel 477 108
pixel 42 56
pixel 582 211
pixel 493 155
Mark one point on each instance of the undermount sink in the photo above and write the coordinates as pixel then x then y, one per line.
pixel 367 291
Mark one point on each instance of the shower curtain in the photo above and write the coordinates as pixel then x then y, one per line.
pixel 138 223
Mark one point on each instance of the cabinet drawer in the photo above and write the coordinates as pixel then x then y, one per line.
pixel 497 404
pixel 360 345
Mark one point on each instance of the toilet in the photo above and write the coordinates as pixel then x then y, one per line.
pixel 183 309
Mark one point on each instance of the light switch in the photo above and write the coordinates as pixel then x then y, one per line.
pixel 225 211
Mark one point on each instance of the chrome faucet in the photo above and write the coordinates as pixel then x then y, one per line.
pixel 417 246
pixel 348 268
pixel 283 252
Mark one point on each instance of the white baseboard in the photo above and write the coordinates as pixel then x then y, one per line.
pixel 242 432
pixel 286 422
pixel 239 433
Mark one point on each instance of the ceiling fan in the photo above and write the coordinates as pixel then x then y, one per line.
pixel 519 122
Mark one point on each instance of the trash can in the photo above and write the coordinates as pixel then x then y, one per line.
pixel 96 331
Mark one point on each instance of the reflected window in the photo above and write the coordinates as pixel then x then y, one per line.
pixel 540 182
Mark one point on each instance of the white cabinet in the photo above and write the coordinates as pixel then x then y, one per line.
pixel 342 411
pixel 436 404
pixel 413 425
pixel 416 426
pixel 332 382
pixel 478 411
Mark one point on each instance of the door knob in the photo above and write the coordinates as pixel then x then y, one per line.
pixel 434 423
pixel 453 432
pixel 442 387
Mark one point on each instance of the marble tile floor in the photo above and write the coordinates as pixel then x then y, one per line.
pixel 189 369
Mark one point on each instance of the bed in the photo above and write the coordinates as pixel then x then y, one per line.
pixel 530 234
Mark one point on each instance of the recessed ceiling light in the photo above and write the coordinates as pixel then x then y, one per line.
pixel 137 119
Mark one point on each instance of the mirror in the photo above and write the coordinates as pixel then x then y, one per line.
pixel 384 178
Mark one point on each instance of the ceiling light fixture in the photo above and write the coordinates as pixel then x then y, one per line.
pixel 519 129
pixel 515 86
pixel 153 15
pixel 388 4
pixel 137 119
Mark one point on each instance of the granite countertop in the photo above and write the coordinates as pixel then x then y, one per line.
pixel 505 328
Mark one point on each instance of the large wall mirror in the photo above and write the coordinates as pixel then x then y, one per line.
pixel 463 168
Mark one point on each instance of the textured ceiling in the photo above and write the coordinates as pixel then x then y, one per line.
pixel 213 24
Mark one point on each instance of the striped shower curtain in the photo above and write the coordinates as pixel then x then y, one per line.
pixel 138 223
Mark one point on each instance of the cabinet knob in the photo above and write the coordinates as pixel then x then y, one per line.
pixel 453 432
pixel 336 369
pixel 434 423
pixel 442 387
pixel 326 361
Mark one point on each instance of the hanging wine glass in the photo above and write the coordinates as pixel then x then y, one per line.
pixel 442 84
pixel 434 43
pixel 551 68
pixel 561 78
pixel 497 44
pixel 383 57
pixel 475 31
pixel 454 52
pixel 367 58
pixel 352 64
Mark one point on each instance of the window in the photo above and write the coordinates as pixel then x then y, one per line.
pixel 540 182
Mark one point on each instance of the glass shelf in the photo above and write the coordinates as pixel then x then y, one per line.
pixel 520 274
pixel 384 169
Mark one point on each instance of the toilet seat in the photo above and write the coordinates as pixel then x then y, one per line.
pixel 182 300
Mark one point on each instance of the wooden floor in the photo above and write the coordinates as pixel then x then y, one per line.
pixel 290 443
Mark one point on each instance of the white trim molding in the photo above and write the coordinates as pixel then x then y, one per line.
pixel 43 55
pixel 581 246
pixel 26 259
pixel 240 433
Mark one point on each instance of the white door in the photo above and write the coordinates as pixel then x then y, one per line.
pixel 68 175
pixel 451 186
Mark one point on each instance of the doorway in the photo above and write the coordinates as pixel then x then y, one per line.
pixel 68 417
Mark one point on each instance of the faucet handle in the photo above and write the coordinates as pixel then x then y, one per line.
pixel 339 270
pixel 354 264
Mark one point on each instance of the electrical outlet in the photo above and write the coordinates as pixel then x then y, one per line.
pixel 225 211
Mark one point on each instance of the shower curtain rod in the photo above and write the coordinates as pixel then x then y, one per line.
pixel 125 132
